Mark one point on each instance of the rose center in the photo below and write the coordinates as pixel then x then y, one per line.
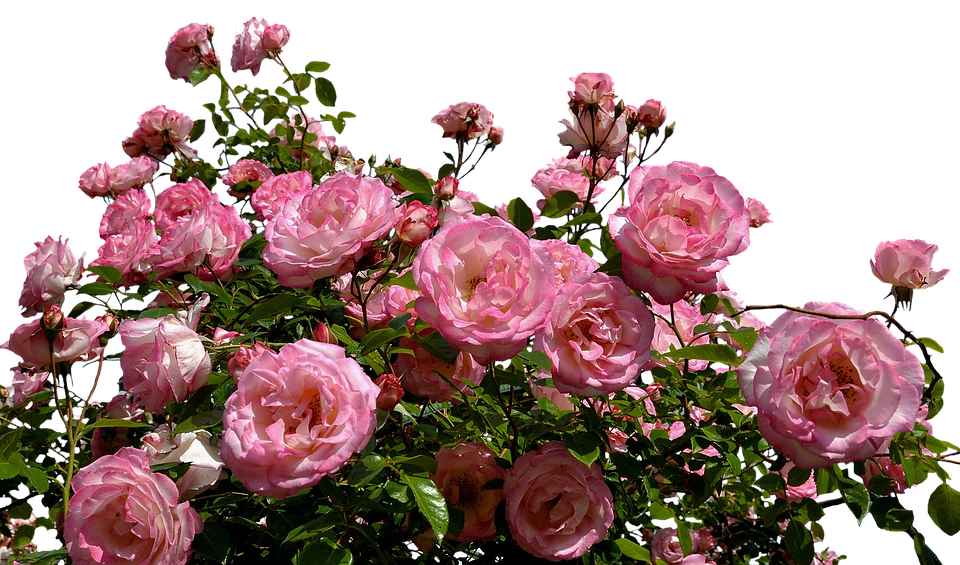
pixel 846 378
pixel 472 285
pixel 465 493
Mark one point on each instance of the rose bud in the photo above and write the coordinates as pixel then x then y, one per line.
pixel 275 37
pixel 52 321
pixel 652 114
pixel 496 135
pixel 322 334
pixel 446 188
pixel 390 391
pixel 416 224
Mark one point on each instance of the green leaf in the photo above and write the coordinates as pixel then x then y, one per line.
pixel 588 218
pixel 559 204
pixel 931 344
pixel 771 482
pixel 944 509
pixel 716 352
pixel 213 542
pixel 326 93
pixel 116 423
pixel 411 179
pixel 198 75
pixel 405 280
pixel 856 496
pixel 54 557
pixel 364 471
pixel 324 552
pixel 798 476
pixel 23 536
pixel 200 420
pixel 520 214
pixel 9 442
pixel 317 67
pixel 627 465
pixel 205 286
pixel 584 447
pixel 198 128
pixel 430 502
pixel 632 550
pixel 21 511
pixel 446 169
pixel 36 477
pixel 536 358
pixel 746 337
pixel 272 307
pixel 378 338
pixel 683 534
pixel 438 346
pixel 799 543
pixel 890 515
pixel 110 274
pixel 95 289
pixel 660 512
pixel 709 304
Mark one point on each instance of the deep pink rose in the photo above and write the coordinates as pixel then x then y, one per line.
pixel 885 467
pixel 129 250
pixel 248 49
pixel 390 391
pixel 242 358
pixel 51 268
pixel 568 260
pixel 415 223
pixel 591 88
pixel 682 223
pixel 296 417
pixel 245 170
pixel 122 512
pixel 135 173
pixel 759 214
pixel 428 376
pixel 163 359
pixel 907 264
pixel 830 391
pixel 461 474
pixel 78 339
pixel 557 507
pixel 484 287
pixel 97 180
pixel 127 208
pixel 160 132
pixel 324 232
pixel 181 200
pixel 464 121
pixel 652 114
pixel 269 196
pixel 190 48
pixel 597 336
pixel 194 448
pixel 208 238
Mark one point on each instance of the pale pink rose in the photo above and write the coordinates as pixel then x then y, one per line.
pixel 79 339
pixel 550 181
pixel 181 200
pixel 126 209
pixel 597 336
pixel 484 287
pixel 461 474
pixel 682 224
pixel 160 132
pixel 209 238
pixel 559 399
pixel 325 143
pixel 324 232
pixel 26 382
pixel 270 196
pixel 459 206
pixel 51 268
pixel 163 360
pixel 665 545
pixel 275 37
pixel 464 121
pixel 595 130
pixel 591 88
pixel 390 391
pixel 907 264
pixel 446 188
pixel 830 391
pixel 136 173
pixel 206 468
pixel 495 135
pixel 384 303
pixel 416 222
pixel 242 358
pixel 224 337
pixel 557 507
pixel 122 512
pixel 652 114
pixel 568 260
pixel 428 376
pixel 245 170
pixel 759 215
pixel 794 494
pixel 685 319
pixel 248 49
pixel 129 250
pixel 190 48
pixel 97 180
pixel 296 417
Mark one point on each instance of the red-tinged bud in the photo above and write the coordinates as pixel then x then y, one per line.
pixel 446 188
pixel 652 114
pixel 495 135
pixel 390 391
pixel 323 334
pixel 52 321
pixel 111 321
pixel 416 224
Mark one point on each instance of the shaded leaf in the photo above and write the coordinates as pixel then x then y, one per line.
pixel 430 502
pixel 799 543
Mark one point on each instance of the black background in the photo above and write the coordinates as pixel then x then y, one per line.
pixel 843 144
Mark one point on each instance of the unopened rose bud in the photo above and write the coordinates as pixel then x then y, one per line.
pixel 669 131
pixel 416 224
pixel 275 37
pixel 52 321
pixel 110 320
pixel 446 188
pixel 322 334
pixel 243 357
pixel 496 135
pixel 390 391
pixel 652 114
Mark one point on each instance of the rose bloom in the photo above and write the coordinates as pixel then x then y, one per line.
pixel 206 468
pixel 79 339
pixel 190 48
pixel 245 170
pixel 242 358
pixel 551 180
pixel 163 359
pixel 830 391
pixel 127 208
pixel 428 376
pixel 461 474
pixel 51 268
pixel 105 441
pixel 665 545
pixel 597 336
pixel 591 88
pixel 324 232
pixel 391 393
pixel 122 512
pixel 686 318
pixel 160 132
pixel 446 188
pixel 181 200
pixel 682 223
pixel 136 173
pixel 652 114
pixel 759 215
pixel 129 250
pixel 885 467
pixel 557 507
pixel 97 180
pixel 270 196
pixel 383 304
pixel 416 223
pixel 459 206
pixel 595 129
pixel 26 382
pixel 296 417
pixel 907 264
pixel 484 287
pixel 559 399
pixel 248 49
pixel 209 238
pixel 568 260
pixel 464 121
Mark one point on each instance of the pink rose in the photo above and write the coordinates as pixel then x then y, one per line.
pixel 296 417
pixel 97 180
pixel 122 512
pixel 126 209
pixel 551 180
pixel 907 264
pixel 559 399
pixel 568 260
pixel 595 130
pixel 26 382
pixel 461 474
pixel 759 214
pixel 270 196
pixel 206 468
pixel 275 37
pixel 830 391
pixel 591 88
pixel 160 132
pixel 597 336
pixel 464 121
pixel 105 441
pixel 248 49
pixel 446 188
pixel 78 339
pixel 384 303
pixel 209 238
pixel 181 200
pixel 242 358
pixel 652 114
pixel 685 320
pixel 416 223
pixel 129 250
pixel 390 391
pixel 136 173
pixel 51 268
pixel 190 48
pixel 557 507
pixel 459 206
pixel 163 359
pixel 682 223
pixel 324 232
pixel 665 545
pixel 428 376
pixel 484 287
pixel 245 170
